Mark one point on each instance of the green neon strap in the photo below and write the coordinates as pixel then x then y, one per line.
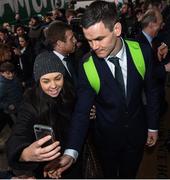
pixel 137 57
pixel 92 74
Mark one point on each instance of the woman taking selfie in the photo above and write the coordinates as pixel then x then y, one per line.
pixel 49 103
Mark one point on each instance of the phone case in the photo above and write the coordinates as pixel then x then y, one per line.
pixel 42 131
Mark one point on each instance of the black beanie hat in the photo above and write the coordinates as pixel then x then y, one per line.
pixel 47 62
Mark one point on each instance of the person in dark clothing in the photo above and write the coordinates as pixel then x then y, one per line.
pixel 36 33
pixel 151 24
pixel 162 41
pixel 19 30
pixel 136 28
pixel 50 103
pixel 61 37
pixel 24 60
pixel 126 19
pixel 122 128
pixel 10 94
pixel 5 37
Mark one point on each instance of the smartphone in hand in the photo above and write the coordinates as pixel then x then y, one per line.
pixel 42 131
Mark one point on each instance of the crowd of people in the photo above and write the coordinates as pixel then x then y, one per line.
pixel 96 76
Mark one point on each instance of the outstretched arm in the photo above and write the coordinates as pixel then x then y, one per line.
pixel 55 168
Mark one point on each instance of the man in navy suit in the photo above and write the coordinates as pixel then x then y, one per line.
pixel 121 128
pixel 61 37
pixel 151 24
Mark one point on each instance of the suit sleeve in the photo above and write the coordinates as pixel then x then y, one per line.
pixel 152 91
pixel 80 118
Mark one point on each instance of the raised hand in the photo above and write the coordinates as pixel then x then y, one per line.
pixel 162 51
pixel 35 152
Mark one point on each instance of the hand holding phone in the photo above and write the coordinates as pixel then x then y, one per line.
pixel 42 131
pixel 37 151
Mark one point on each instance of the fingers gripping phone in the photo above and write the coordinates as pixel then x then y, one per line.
pixel 42 131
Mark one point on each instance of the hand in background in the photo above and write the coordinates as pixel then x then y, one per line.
pixel 162 51
pixel 152 138
pixel 17 51
pixel 51 167
pixel 36 153
pixel 167 67
pixel 11 107
pixel 55 168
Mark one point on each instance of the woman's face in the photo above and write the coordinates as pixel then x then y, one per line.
pixel 52 83
pixel 22 42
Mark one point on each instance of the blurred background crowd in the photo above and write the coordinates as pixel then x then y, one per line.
pixel 21 41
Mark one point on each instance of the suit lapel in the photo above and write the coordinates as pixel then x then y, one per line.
pixel 108 79
pixel 131 74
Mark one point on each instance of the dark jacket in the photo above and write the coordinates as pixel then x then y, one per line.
pixel 25 73
pixel 119 121
pixel 10 93
pixel 39 108
pixel 159 69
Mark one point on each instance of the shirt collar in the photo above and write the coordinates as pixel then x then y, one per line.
pixel 148 37
pixel 59 55
pixel 120 54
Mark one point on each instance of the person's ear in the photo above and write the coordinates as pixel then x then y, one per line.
pixel 117 29
pixel 60 44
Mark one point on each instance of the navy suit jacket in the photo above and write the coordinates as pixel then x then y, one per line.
pixel 159 69
pixel 67 76
pixel 119 120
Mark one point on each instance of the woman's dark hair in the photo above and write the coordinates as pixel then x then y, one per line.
pixel 100 11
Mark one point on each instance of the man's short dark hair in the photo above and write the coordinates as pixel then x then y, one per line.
pixel 100 11
pixel 56 31
pixel 18 26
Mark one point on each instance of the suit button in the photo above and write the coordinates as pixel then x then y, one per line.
pixel 126 112
pixel 126 126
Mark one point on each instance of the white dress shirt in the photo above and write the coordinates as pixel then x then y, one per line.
pixel 148 37
pixel 61 58
pixel 123 64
